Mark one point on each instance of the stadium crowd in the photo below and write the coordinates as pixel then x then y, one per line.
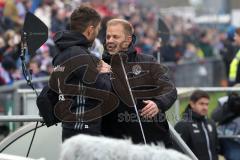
pixel 188 41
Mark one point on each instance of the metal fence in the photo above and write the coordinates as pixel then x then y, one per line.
pixel 29 111
pixel 182 92
pixel 16 101
pixel 211 72
pixel 207 73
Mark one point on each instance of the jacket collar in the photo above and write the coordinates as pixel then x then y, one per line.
pixel 66 39
pixel 194 115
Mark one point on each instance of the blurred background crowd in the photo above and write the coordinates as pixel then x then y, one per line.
pixel 190 41
pixel 203 47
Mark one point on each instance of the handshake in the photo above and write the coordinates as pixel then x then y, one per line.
pixel 103 67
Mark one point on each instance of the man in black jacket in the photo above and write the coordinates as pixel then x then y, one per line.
pixel 197 131
pixel 154 93
pixel 227 116
pixel 72 64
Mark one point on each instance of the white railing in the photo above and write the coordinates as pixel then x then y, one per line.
pixel 182 92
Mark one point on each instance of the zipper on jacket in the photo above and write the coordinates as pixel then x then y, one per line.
pixel 208 142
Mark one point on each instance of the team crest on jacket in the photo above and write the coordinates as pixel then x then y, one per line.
pixel 136 69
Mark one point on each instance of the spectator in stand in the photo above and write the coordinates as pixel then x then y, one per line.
pixel 34 68
pixel 49 68
pixel 190 53
pixel 228 48
pixel 12 46
pixel 168 51
pixel 44 12
pixel 2 47
pixel 59 21
pixel 4 76
pixel 10 68
pixel 5 22
pixel 204 44
pixel 10 10
pixel 234 72
pixel 142 16
pixel 43 57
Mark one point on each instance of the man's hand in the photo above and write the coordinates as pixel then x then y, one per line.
pixel 150 110
pixel 103 67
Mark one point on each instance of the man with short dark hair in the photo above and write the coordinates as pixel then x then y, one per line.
pixel 85 20
pixel 198 132
pixel 84 27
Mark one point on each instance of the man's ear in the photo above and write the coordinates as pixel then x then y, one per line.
pixel 129 39
pixel 127 42
pixel 88 32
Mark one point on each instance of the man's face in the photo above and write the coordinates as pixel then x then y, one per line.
pixel 116 39
pixel 34 67
pixel 200 106
pixel 237 39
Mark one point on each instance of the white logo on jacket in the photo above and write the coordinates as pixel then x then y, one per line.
pixel 136 69
pixel 195 125
pixel 210 128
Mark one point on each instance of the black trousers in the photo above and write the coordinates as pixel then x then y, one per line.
pixel 68 133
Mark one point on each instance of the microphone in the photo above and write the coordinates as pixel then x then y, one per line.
pixel 77 147
pixel 34 34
